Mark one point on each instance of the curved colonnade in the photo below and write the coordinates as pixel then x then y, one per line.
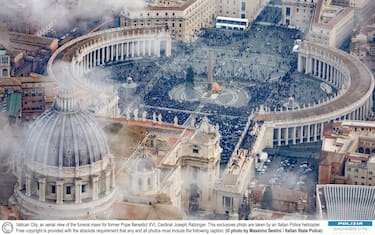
pixel 111 46
pixel 354 102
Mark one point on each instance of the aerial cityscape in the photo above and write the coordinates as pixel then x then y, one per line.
pixel 187 109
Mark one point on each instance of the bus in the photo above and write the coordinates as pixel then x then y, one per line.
pixel 231 23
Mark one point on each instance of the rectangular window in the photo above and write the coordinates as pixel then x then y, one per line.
pixel 243 6
pixel 227 202
pixel 4 59
pixel 53 188
pixel 5 73
pixel 68 190
pixel 288 11
pixel 83 188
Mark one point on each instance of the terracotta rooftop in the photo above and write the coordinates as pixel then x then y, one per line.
pixel 319 10
pixel 283 194
pixel 326 158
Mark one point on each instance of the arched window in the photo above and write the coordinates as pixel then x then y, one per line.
pixel 4 73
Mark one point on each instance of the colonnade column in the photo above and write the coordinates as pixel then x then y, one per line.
pixel 59 191
pixel 78 190
pixel 294 135
pixel 149 47
pixel 319 68
pixel 122 51
pixel 286 135
pixel 112 56
pixel 308 65
pixel 351 116
pixel 107 53
pixel 315 132
pixel 330 73
pixel 118 54
pixel 89 64
pixel 369 107
pixel 324 70
pixel 84 63
pixel 168 51
pixel 157 47
pixel 299 63
pixel 127 49
pixel 279 137
pixel 138 48
pixel 144 48
pixel 133 49
pixel 28 185
pixel 336 77
pixel 107 182
pixel 95 187
pixel 301 135
pixel 314 67
pixel 42 189
pixel 308 133
pixel 94 53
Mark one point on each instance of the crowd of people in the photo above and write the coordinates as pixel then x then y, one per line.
pixel 259 60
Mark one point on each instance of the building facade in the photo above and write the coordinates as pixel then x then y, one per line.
pixel 298 13
pixel 347 154
pixel 25 98
pixel 4 63
pixel 332 24
pixel 183 19
pixel 26 53
pixel 38 95
pixel 242 9
pixel 172 162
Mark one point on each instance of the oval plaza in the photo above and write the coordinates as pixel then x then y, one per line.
pixel 303 125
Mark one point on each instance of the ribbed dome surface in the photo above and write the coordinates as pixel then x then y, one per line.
pixel 65 136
